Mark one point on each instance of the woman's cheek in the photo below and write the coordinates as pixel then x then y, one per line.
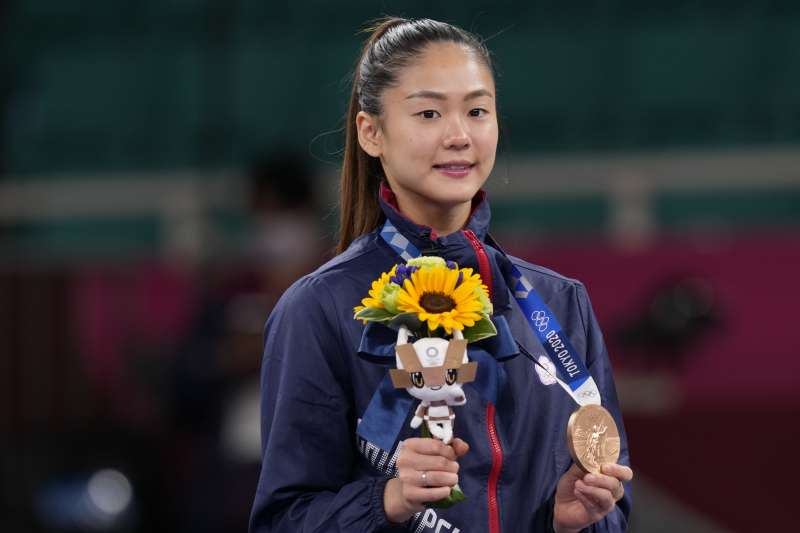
pixel 422 145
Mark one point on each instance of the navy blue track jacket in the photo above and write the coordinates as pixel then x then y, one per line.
pixel 318 476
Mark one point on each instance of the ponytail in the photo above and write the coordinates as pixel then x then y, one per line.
pixel 359 212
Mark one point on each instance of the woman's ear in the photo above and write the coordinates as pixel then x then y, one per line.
pixel 369 133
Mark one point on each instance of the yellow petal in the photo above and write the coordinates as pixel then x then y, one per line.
pixel 438 279
pixel 407 304
pixel 469 307
pixel 450 281
pixel 409 287
pixel 464 292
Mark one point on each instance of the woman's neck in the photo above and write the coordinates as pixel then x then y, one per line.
pixel 442 220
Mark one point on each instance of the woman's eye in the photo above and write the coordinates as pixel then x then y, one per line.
pixel 477 112
pixel 428 113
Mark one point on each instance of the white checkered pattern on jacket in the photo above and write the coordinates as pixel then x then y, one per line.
pixel 395 239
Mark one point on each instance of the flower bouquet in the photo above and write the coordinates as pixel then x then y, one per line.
pixel 430 297
pixel 444 307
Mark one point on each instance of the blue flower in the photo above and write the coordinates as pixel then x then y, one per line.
pixel 403 273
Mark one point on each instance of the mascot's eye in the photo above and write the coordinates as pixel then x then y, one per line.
pixel 417 379
pixel 452 376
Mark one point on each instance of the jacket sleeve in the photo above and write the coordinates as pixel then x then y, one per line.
pixel 308 442
pixel 600 368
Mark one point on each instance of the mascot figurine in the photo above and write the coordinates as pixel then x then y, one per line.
pixel 432 370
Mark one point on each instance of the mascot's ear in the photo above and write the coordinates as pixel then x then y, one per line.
pixel 466 373
pixel 400 378
pixel 456 353
pixel 407 362
pixel 407 358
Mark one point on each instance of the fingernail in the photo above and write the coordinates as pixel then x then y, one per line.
pixel 590 478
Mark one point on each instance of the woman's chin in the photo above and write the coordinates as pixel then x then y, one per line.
pixel 456 194
pixel 455 191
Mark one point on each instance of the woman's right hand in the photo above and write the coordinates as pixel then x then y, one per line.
pixel 410 491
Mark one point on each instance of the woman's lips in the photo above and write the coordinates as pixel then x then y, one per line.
pixel 455 170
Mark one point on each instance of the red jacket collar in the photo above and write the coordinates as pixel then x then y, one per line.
pixel 390 200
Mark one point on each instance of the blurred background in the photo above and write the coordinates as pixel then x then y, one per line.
pixel 160 161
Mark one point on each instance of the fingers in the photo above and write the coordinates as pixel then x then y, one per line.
pixel 592 508
pixel 597 493
pixel 459 447
pixel 611 484
pixel 438 463
pixel 621 472
pixel 401 500
pixel 600 492
pixel 430 447
pixel 430 455
pixel 421 463
pixel 432 478
pixel 417 497
pixel 611 479
pixel 595 499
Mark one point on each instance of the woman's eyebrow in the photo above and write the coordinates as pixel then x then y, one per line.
pixel 477 94
pixel 441 96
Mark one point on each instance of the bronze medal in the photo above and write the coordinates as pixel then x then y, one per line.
pixel 592 438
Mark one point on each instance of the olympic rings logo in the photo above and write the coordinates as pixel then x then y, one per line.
pixel 540 320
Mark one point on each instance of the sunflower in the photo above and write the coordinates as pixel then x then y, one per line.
pixel 443 296
pixel 375 293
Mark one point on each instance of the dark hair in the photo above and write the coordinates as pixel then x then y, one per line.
pixel 392 45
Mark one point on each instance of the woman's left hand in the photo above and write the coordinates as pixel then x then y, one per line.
pixel 583 499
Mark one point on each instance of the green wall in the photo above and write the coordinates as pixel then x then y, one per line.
pixel 98 85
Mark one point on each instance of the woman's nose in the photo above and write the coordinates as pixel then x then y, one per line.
pixel 456 136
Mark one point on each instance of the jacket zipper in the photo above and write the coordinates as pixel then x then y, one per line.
pixel 494 474
pixel 483 260
pixel 491 430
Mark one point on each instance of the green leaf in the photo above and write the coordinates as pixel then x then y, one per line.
pixel 374 314
pixel 456 496
pixel 424 432
pixel 482 329
pixel 409 320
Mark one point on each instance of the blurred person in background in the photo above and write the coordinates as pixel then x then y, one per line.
pixel 215 392
pixel 422 133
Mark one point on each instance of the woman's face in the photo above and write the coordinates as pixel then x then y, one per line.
pixel 437 135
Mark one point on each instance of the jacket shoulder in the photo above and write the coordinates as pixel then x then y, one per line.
pixel 544 275
pixel 559 290
pixel 361 254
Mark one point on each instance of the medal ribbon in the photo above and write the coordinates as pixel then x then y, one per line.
pixel 573 376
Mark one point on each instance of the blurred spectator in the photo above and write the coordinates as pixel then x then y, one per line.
pixel 676 313
pixel 215 377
